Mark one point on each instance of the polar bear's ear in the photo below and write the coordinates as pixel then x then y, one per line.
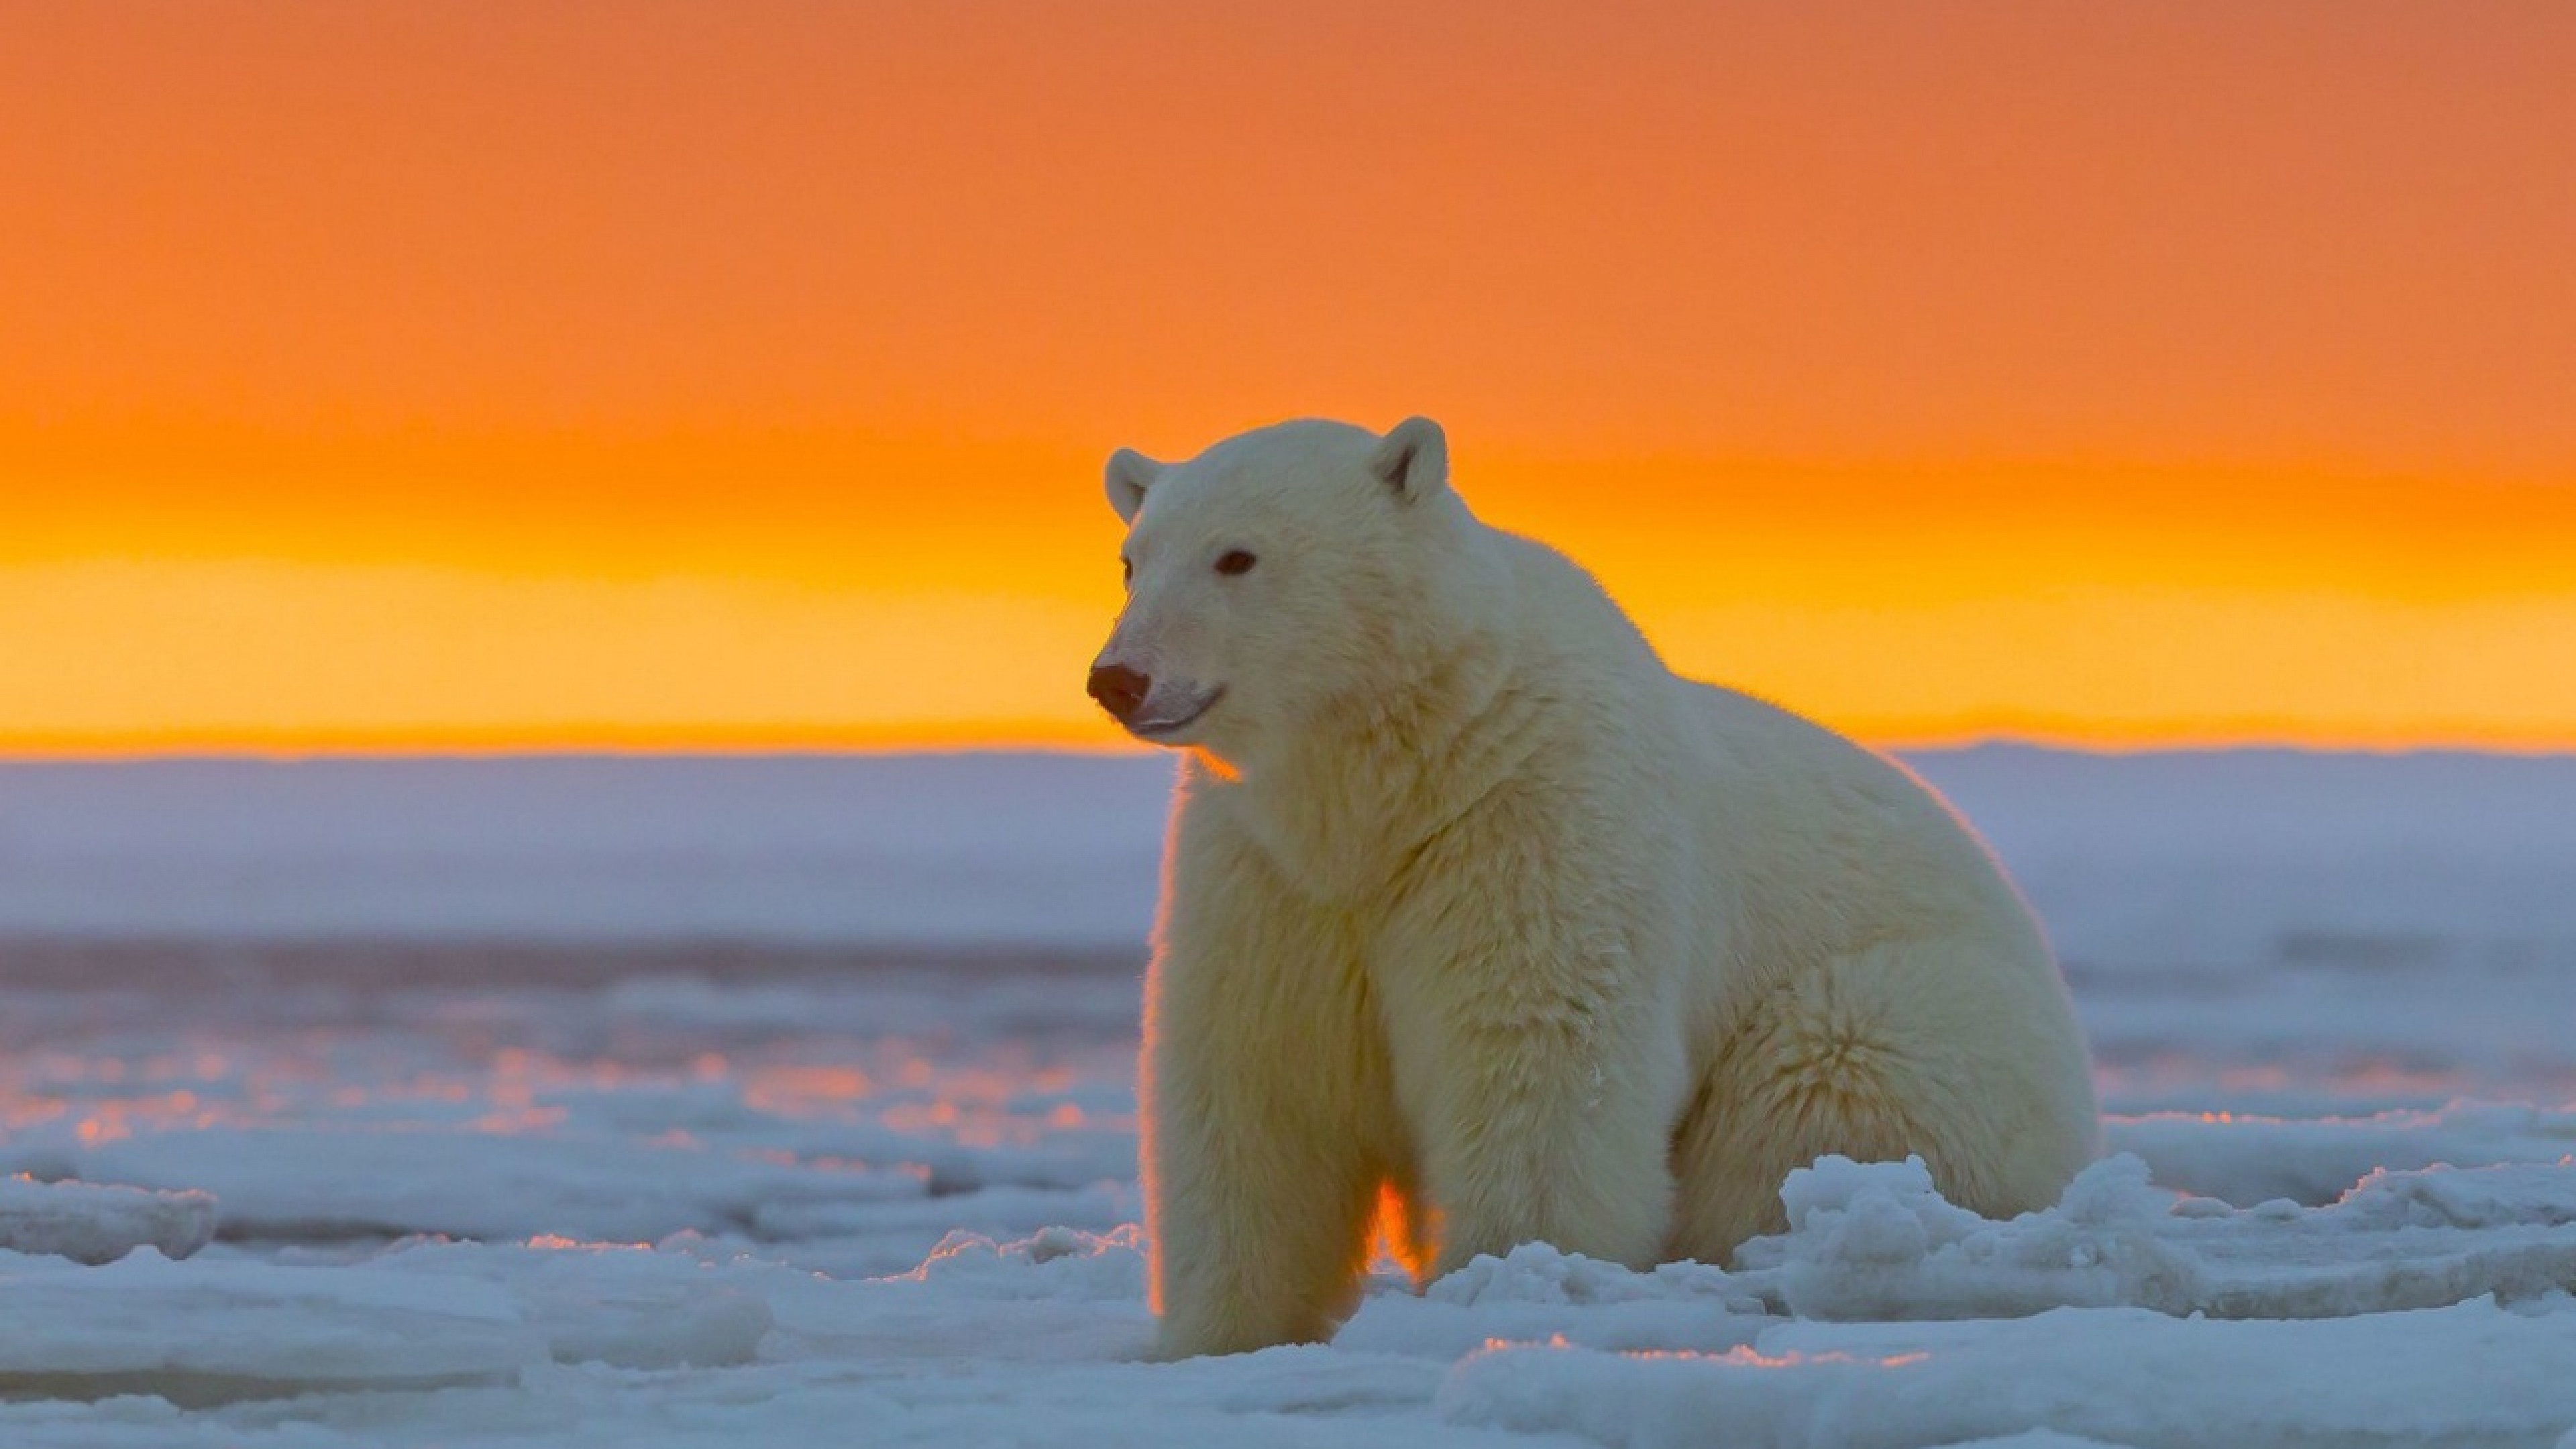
pixel 1130 474
pixel 1413 459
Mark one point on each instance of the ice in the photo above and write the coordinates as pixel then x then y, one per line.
pixel 91 1223
pixel 2387 865
pixel 625 1305
pixel 328 1181
pixel 207 1332
pixel 2474 1374
pixel 694 1103
pixel 2189 861
pixel 2257 1158
pixel 1018 850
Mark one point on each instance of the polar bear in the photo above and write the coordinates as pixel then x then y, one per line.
pixel 1475 912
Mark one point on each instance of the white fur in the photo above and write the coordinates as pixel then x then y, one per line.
pixel 1472 908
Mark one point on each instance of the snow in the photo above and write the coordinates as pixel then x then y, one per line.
pixel 672 1103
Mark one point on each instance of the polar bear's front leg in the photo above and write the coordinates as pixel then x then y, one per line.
pixel 1539 1067
pixel 1262 1093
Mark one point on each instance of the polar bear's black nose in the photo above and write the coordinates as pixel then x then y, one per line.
pixel 1120 690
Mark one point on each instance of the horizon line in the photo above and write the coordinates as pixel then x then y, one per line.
pixel 1054 739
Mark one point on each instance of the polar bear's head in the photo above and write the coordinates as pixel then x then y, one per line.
pixel 1282 572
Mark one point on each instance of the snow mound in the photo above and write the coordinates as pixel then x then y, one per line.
pixel 1873 1242
pixel 1537 1273
pixel 91 1223
pixel 1538 1293
pixel 2507 1196
pixel 2122 1376
pixel 1876 1241
pixel 1054 1262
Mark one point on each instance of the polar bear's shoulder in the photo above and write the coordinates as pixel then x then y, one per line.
pixel 1562 608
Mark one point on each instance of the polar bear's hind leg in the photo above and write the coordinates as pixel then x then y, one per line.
pixel 1890 1052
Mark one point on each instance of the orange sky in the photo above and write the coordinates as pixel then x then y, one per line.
pixel 478 374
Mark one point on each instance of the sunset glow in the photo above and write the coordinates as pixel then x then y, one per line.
pixel 475 376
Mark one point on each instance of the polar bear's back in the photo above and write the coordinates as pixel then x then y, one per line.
pixel 1792 818
pixel 1807 841
pixel 1853 842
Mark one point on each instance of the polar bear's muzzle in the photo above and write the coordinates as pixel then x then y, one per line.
pixel 1147 710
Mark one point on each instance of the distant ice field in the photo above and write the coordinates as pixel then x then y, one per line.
pixel 2313 927
pixel 780 1101
pixel 2151 860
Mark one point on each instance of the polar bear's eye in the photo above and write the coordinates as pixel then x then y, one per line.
pixel 1235 561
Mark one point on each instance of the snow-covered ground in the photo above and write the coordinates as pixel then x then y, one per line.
pixel 685 1102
